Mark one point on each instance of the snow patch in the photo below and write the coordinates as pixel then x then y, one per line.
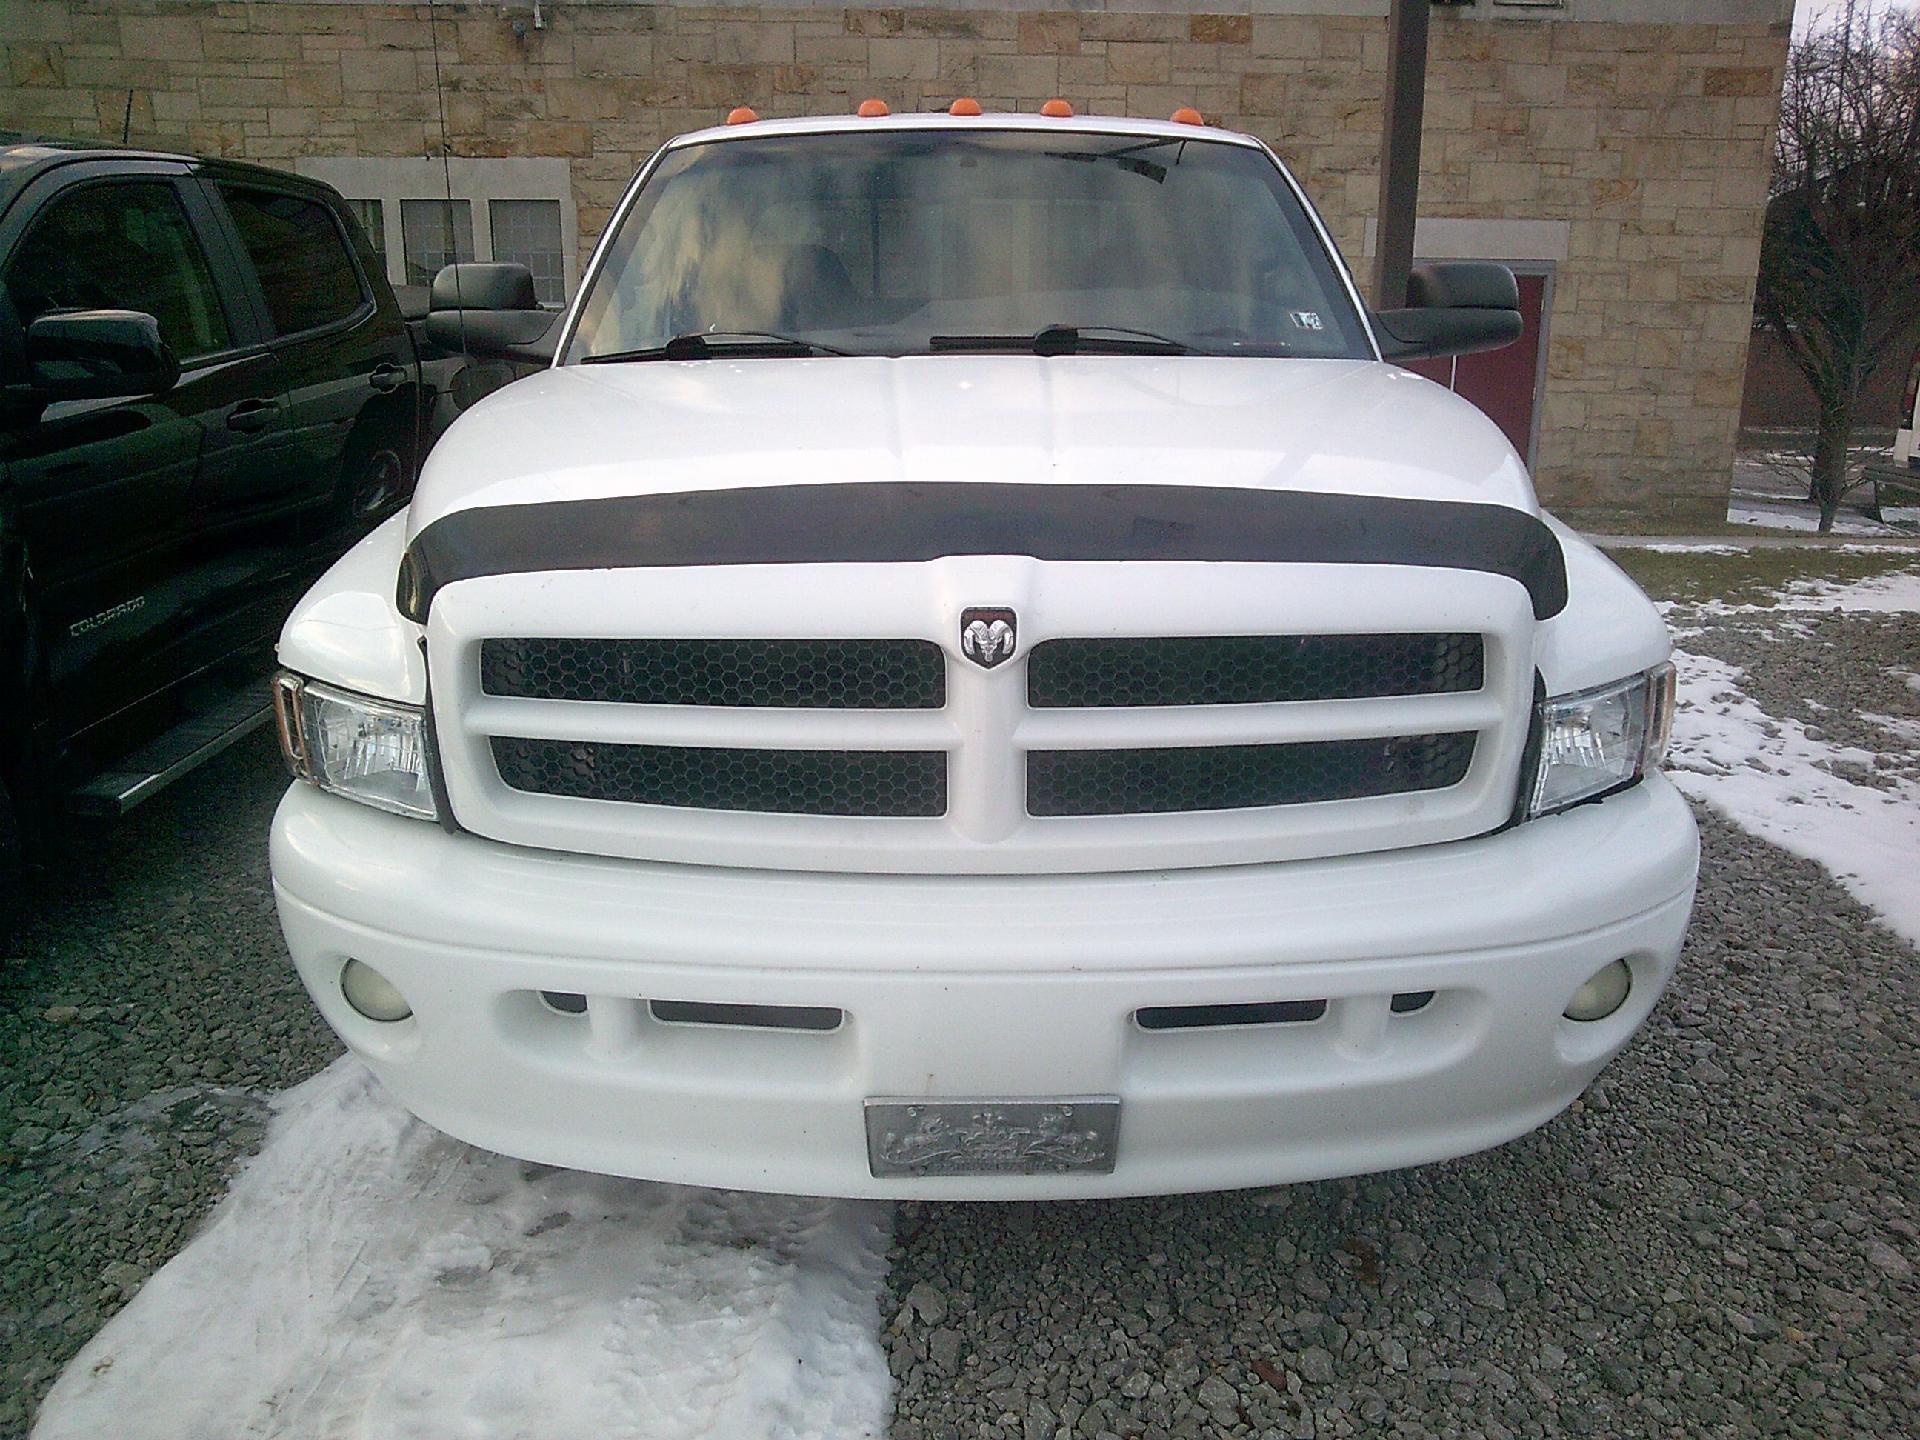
pixel 1767 775
pixel 1808 519
pixel 1897 592
pixel 1688 547
pixel 369 1276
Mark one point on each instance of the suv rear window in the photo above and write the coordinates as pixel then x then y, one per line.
pixel 301 255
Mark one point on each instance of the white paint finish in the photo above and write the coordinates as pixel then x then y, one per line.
pixel 346 631
pixel 369 1277
pixel 476 181
pixel 962 987
pixel 1435 238
pixel 657 427
pixel 1608 630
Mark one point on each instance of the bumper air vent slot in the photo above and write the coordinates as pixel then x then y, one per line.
pixel 817 1018
pixel 1214 1017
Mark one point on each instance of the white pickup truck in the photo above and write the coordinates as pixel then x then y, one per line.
pixel 973 676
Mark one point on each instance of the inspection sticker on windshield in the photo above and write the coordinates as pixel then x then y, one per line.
pixel 1307 319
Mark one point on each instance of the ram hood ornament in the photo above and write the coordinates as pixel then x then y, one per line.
pixel 987 635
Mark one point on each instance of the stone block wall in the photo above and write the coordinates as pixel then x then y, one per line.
pixel 1648 139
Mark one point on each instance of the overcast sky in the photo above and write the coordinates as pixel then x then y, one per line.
pixel 1814 12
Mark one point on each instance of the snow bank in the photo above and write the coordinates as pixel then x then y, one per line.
pixel 1768 775
pixel 370 1277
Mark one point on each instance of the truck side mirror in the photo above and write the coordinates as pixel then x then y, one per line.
pixel 98 355
pixel 1453 308
pixel 488 310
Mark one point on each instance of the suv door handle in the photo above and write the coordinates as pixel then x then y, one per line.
pixel 387 376
pixel 251 415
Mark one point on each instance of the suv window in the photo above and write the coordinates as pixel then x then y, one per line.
pixel 121 245
pixel 300 254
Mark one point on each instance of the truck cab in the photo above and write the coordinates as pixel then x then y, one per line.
pixel 973 674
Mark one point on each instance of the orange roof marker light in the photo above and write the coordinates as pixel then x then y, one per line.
pixel 1187 115
pixel 742 115
pixel 872 109
pixel 965 105
pixel 1057 109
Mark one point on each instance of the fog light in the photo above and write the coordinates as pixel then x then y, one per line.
pixel 371 993
pixel 1605 992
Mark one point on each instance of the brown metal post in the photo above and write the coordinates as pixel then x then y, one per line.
pixel 1400 151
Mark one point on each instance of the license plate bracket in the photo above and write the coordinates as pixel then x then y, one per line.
pixel 1065 1135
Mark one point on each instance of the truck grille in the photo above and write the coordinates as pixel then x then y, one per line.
pixel 804 674
pixel 777 782
pixel 1249 669
pixel 1235 777
pixel 1150 717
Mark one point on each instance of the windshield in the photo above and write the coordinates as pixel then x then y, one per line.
pixel 899 242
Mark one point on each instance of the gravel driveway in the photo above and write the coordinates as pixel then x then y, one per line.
pixel 148 1005
pixel 1711 1244
pixel 1718 1241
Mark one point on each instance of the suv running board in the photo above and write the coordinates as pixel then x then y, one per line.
pixel 147 771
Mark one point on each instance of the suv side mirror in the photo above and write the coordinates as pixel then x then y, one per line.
pixel 488 310
pixel 98 355
pixel 1453 308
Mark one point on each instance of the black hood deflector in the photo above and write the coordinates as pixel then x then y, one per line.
pixel 888 521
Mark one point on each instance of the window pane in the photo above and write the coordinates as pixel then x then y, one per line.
pixel 528 232
pixel 879 241
pixel 367 212
pixel 121 246
pixel 300 255
pixel 436 233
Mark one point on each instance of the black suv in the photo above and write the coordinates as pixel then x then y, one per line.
pixel 207 392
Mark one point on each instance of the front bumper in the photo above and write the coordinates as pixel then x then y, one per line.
pixel 977 986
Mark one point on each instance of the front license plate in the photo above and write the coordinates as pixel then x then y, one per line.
pixel 1073 1135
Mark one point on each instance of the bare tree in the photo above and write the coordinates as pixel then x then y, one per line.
pixel 1840 261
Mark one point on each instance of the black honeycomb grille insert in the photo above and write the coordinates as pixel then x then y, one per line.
pixel 780 782
pixel 773 674
pixel 1238 777
pixel 1249 669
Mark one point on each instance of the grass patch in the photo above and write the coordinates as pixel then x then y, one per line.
pixel 1753 577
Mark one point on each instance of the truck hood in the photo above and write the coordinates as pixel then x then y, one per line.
pixel 1329 426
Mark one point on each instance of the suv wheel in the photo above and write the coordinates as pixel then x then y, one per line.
pixel 374 482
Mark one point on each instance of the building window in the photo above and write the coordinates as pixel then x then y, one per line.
pixel 422 212
pixel 436 233
pixel 528 232
pixel 373 223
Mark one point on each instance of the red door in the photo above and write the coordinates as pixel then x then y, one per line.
pixel 1503 383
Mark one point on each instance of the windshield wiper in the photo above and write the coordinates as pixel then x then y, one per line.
pixel 1070 340
pixel 705 344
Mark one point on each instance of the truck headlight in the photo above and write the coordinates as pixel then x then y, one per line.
pixel 1601 740
pixel 373 751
